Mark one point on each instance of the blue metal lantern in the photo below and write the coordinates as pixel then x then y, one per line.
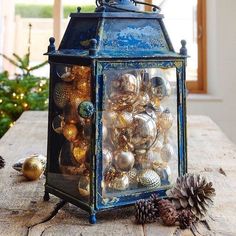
pixel 117 110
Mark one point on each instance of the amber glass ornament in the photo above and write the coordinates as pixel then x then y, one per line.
pixel 70 132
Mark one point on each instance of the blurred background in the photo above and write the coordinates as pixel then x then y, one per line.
pixel 207 25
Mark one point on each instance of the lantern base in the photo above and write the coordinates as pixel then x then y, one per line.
pixel 92 219
pixel 46 196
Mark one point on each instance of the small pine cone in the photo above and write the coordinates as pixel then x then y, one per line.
pixel 145 211
pixel 186 218
pixel 2 163
pixel 168 212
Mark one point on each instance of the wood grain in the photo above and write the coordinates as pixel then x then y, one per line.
pixel 22 211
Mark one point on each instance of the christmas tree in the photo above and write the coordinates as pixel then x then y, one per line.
pixel 23 92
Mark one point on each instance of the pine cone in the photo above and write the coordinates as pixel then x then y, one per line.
pixel 186 219
pixel 2 163
pixel 167 212
pixel 145 211
pixel 192 192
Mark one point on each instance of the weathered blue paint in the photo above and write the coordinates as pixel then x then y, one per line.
pixel 112 41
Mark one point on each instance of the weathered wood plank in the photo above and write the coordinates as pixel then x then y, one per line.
pixel 22 211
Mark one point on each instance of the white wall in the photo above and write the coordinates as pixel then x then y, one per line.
pixel 220 103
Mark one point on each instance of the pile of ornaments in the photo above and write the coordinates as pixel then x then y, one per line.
pixel 136 146
pixel 72 95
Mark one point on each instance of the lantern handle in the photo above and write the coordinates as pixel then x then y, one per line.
pixel 106 3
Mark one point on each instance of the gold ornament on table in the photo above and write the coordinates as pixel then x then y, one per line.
pixel 149 178
pixel 19 164
pixel 84 186
pixel 62 93
pixel 124 160
pixel 145 131
pixel 32 168
pixel 167 152
pixel 58 124
pixel 70 132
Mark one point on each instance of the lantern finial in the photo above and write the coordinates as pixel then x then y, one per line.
pixel 51 46
pixel 183 49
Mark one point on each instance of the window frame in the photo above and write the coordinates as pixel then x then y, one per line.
pixel 200 85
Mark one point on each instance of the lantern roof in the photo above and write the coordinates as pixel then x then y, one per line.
pixel 117 29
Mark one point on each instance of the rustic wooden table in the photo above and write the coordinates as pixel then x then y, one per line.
pixel 23 212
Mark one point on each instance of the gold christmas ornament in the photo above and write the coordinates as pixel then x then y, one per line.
pixel 161 88
pixel 133 176
pixel 70 113
pixel 167 152
pixel 121 182
pixel 81 72
pixel 58 124
pixel 106 157
pixel 125 89
pixel 124 160
pixel 84 186
pixel 70 132
pixel 32 168
pixel 166 120
pixel 80 153
pixel 145 131
pixel 61 95
pixel 150 179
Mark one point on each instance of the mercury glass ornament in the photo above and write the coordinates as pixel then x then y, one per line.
pixel 32 168
pixel 145 131
pixel 133 175
pixel 149 178
pixel 161 88
pixel 61 95
pixel 167 152
pixel 124 160
pixel 125 89
pixel 120 182
pixel 70 132
pixel 166 120
pixel 107 157
pixel 84 186
pixel 58 124
pixel 65 73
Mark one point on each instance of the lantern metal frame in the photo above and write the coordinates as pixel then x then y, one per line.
pixel 99 62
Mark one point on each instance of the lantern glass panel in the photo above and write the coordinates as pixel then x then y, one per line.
pixel 69 170
pixel 140 133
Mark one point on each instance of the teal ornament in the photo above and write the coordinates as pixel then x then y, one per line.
pixel 86 109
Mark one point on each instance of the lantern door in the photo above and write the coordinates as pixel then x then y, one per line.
pixel 140 149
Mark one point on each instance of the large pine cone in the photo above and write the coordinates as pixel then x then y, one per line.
pixel 186 219
pixel 145 211
pixel 192 192
pixel 2 162
pixel 167 212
